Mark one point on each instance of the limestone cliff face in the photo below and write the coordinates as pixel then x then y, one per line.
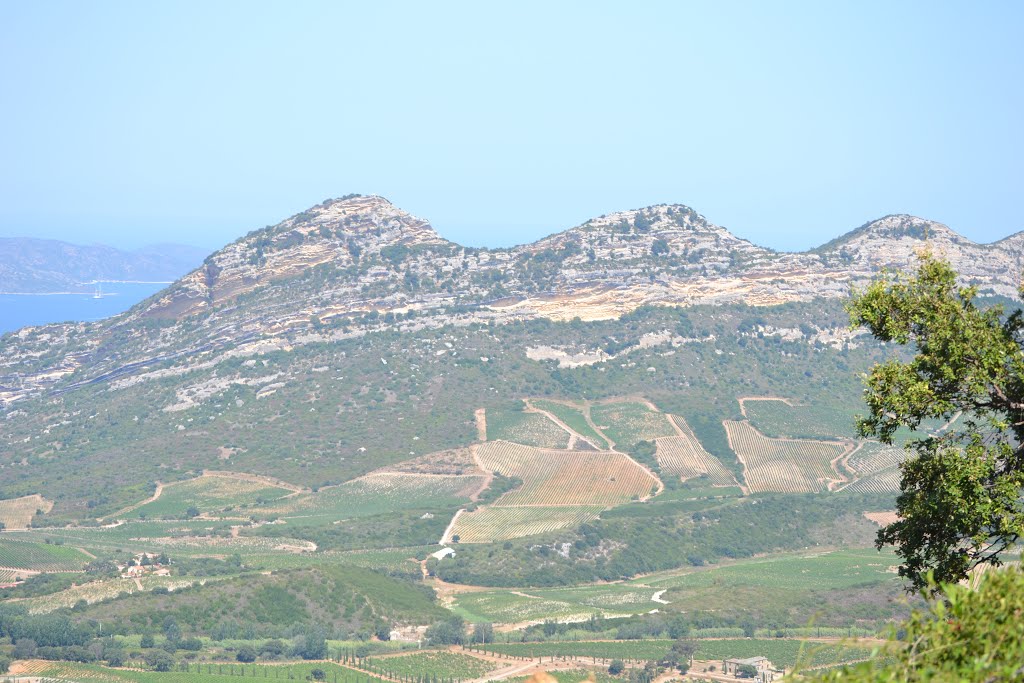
pixel 358 264
pixel 337 232
pixel 894 241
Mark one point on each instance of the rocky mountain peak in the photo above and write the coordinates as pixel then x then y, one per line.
pixel 336 234
pixel 904 226
pixel 903 229
pixel 368 218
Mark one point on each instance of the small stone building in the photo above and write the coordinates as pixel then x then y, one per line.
pixel 766 673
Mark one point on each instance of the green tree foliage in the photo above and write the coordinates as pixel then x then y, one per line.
pixel 960 504
pixel 159 660
pixel 246 654
pixel 965 635
pixel 746 671
pixel 448 632
pixel 483 633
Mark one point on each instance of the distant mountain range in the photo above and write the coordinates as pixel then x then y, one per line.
pixel 29 265
pixel 358 264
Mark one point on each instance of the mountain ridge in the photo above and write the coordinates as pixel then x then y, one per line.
pixel 358 264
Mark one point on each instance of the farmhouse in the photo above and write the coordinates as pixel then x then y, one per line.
pixel 443 553
pixel 144 564
pixel 764 671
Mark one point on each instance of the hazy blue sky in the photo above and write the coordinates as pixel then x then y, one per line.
pixel 786 122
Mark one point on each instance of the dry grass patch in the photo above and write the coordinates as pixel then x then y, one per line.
pixel 17 513
pixel 502 523
pixel 456 461
pixel 554 477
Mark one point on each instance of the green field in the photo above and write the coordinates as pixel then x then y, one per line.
pixel 437 663
pixel 755 584
pixel 40 556
pixel 574 418
pixel 830 570
pixel 628 422
pixel 819 420
pixel 377 494
pixel 201 673
pixel 531 429
pixel 567 604
pixel 210 495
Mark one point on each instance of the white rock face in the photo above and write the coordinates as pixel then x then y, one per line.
pixel 358 264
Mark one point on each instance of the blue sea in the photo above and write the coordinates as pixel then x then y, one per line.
pixel 19 310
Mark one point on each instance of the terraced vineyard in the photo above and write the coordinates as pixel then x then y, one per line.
pixel 886 481
pixel 9 576
pixel 440 664
pixel 209 494
pixel 783 465
pixel 553 477
pixel 574 418
pixel 532 429
pixel 490 523
pixel 40 556
pixel 629 422
pixel 17 513
pixel 877 468
pixel 684 456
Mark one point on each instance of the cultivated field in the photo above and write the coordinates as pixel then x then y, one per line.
pixel 40 557
pixel 197 673
pixel 440 664
pixel 10 576
pixel 95 591
pixel 573 417
pixel 211 495
pixel 882 518
pixel 562 604
pixel 784 465
pixel 877 468
pixel 552 477
pixel 629 422
pixel 17 513
pixel 531 429
pixel 683 456
pixel 829 570
pixel 779 418
pixel 489 523
pixel 380 493
pixel 886 481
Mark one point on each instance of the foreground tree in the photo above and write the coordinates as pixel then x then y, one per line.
pixel 966 635
pixel 960 503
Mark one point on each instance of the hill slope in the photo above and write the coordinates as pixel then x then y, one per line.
pixel 29 265
pixel 351 336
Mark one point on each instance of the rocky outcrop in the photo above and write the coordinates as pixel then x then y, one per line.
pixel 358 264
